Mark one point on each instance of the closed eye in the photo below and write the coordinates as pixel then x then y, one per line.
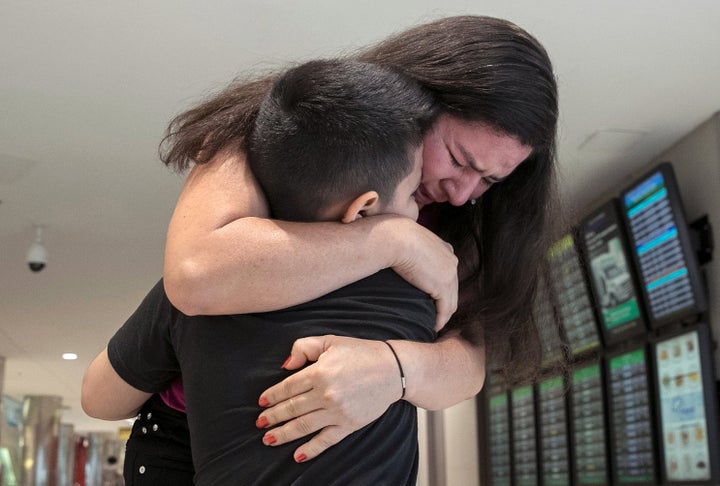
pixel 454 161
pixel 487 180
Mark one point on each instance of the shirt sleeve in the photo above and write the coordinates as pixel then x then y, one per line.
pixel 141 351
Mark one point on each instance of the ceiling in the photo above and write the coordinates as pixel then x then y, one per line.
pixel 87 88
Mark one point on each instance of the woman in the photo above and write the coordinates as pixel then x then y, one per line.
pixel 495 139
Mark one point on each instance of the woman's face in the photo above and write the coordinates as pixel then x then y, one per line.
pixel 462 159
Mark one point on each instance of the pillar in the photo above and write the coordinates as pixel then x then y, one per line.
pixel 66 455
pixel 39 435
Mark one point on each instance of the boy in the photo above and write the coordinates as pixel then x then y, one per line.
pixel 334 140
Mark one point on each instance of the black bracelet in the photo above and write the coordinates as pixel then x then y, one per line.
pixel 402 373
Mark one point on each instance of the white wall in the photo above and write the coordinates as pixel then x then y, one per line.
pixel 423 479
pixel 449 446
pixel 461 448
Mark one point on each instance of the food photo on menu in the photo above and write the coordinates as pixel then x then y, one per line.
pixel 682 408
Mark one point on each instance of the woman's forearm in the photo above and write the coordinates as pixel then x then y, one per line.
pixel 105 395
pixel 256 265
pixel 441 374
pixel 223 256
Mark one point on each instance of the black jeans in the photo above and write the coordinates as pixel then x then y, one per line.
pixel 158 450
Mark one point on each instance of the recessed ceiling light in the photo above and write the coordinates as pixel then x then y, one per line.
pixel 69 356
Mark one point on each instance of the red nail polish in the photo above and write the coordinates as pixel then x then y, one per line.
pixel 301 458
pixel 263 402
pixel 269 439
pixel 261 422
pixel 286 361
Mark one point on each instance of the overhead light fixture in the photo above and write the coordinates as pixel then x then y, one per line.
pixel 37 253
pixel 69 356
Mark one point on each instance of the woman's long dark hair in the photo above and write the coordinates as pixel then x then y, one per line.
pixel 479 69
pixel 489 70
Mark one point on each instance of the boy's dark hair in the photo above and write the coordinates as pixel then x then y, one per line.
pixel 331 130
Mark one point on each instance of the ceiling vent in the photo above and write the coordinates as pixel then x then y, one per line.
pixel 612 141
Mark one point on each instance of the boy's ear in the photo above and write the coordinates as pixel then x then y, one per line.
pixel 360 205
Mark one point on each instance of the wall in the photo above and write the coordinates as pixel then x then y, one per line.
pixel 449 446
pixel 461 447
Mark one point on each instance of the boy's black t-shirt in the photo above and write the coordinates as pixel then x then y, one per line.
pixel 228 361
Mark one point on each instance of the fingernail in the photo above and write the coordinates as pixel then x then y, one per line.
pixel 269 439
pixel 286 361
pixel 263 402
pixel 300 458
pixel 261 422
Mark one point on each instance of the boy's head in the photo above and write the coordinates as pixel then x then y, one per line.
pixel 336 135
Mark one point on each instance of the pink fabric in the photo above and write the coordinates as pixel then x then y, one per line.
pixel 174 396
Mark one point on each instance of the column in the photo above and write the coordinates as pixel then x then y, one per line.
pixel 40 432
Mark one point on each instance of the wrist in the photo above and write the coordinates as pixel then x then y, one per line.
pixel 410 355
pixel 384 239
pixel 403 382
pixel 394 240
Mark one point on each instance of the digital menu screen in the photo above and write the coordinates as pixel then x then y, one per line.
pixel 499 428
pixel 552 415
pixel 588 425
pixel 631 422
pixel 547 324
pixel 568 281
pixel 687 436
pixel 662 247
pixel 611 279
pixel 524 437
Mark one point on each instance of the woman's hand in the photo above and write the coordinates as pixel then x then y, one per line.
pixel 329 396
pixel 354 381
pixel 428 263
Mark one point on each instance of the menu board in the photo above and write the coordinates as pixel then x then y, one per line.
pixel 631 425
pixel 568 281
pixel 547 324
pixel 524 441
pixel 499 428
pixel 687 434
pixel 588 424
pixel 662 247
pixel 611 280
pixel 552 415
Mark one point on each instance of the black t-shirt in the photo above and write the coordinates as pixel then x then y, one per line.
pixel 228 361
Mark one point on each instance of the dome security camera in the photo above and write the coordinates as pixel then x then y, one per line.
pixel 37 254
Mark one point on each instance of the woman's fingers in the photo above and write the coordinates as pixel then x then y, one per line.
pixel 303 350
pixel 445 305
pixel 430 264
pixel 328 437
pixel 292 408
pixel 297 428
